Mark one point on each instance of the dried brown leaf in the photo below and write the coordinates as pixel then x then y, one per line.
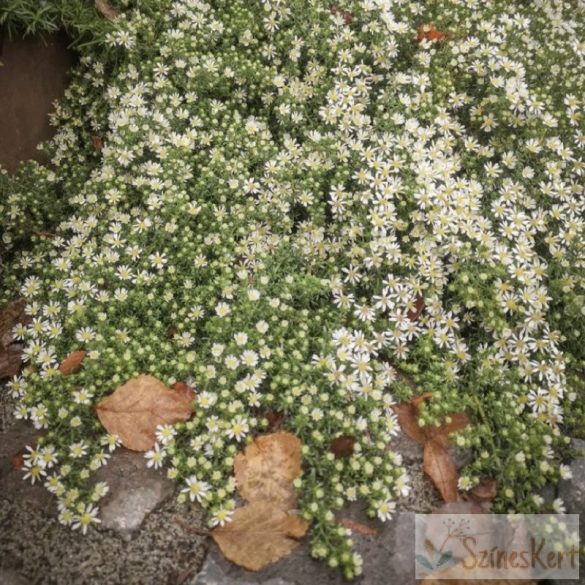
pixel 358 527
pixel 185 390
pixel 259 534
pixel 342 446
pixel 135 409
pixel 72 363
pixel 267 468
pixel 485 491
pixel 106 9
pixel 430 33
pixel 438 464
pixel 459 421
pixel 407 415
pixel 418 400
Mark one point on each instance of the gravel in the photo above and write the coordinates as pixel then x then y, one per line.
pixel 43 552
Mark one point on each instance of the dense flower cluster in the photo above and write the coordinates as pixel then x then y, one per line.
pixel 282 186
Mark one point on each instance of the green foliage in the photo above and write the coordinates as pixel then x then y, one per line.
pixel 278 187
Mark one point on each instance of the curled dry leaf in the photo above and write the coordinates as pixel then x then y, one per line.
pixel 135 409
pixel 485 491
pixel 458 421
pixel 407 415
pixel 438 464
pixel 106 9
pixel 185 390
pixel 418 400
pixel 358 527
pixel 259 534
pixel 342 446
pixel 72 363
pixel 266 469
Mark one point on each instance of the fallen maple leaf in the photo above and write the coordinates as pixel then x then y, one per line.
pixel 106 9
pixel 135 409
pixel 265 471
pixel 259 534
pixel 10 361
pixel 438 464
pixel 358 527
pixel 72 363
pixel 185 390
pixel 342 446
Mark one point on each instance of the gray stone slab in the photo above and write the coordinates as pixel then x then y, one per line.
pixel 461 457
pixel 411 451
pixel 135 491
pixel 572 491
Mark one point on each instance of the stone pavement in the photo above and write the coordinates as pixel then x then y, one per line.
pixel 147 538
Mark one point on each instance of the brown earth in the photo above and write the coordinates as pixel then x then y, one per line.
pixel 33 73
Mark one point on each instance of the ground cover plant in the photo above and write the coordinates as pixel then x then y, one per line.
pixel 307 211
